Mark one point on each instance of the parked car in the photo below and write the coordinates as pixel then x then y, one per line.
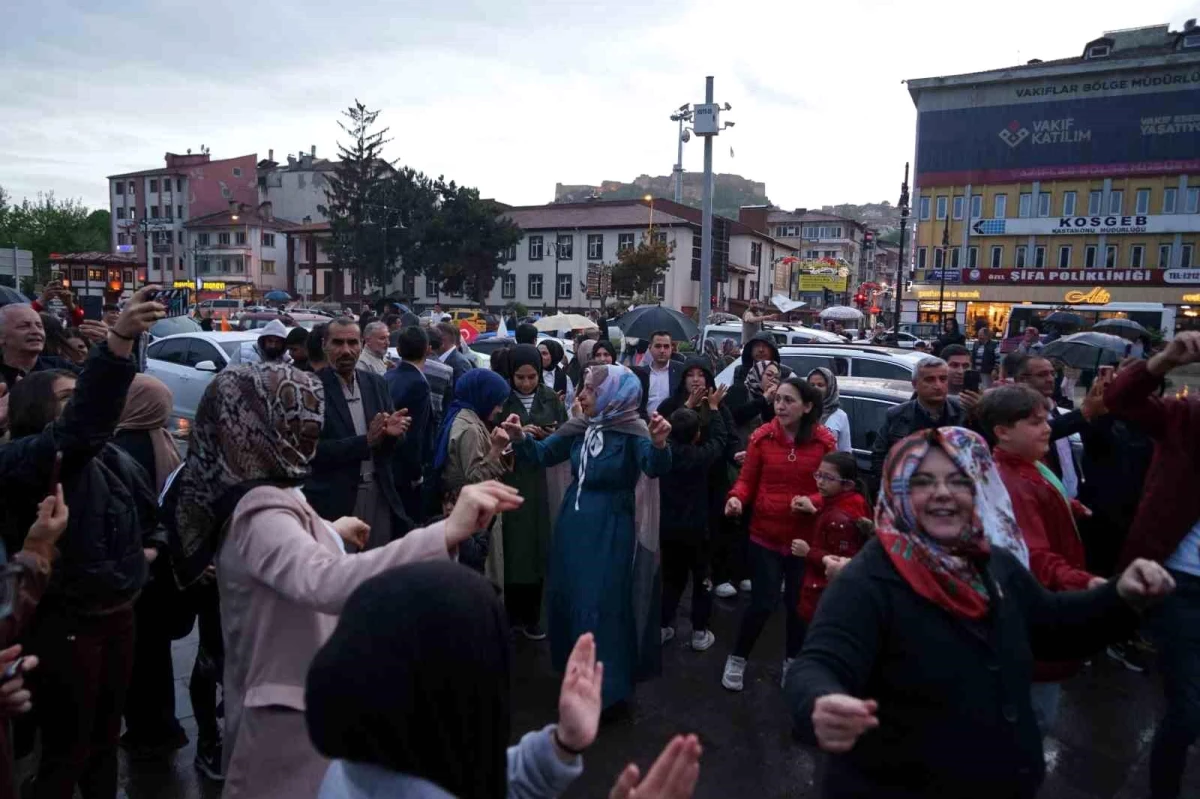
pixel 475 319
pixel 866 402
pixel 845 360
pixel 784 334
pixel 256 321
pixel 187 362
pixel 221 308
pixel 905 341
pixel 173 325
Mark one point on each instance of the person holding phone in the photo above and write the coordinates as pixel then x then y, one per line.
pixel 527 530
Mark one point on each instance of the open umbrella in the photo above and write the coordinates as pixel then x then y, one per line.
pixel 841 313
pixel 1064 319
pixel 565 321
pixel 10 296
pixel 1087 350
pixel 1121 326
pixel 278 295
pixel 641 323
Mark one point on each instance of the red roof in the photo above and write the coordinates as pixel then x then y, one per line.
pixel 94 258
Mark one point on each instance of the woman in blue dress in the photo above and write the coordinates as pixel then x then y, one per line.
pixel 603 573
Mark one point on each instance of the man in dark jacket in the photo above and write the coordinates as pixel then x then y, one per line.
pixel 950 335
pixel 22 339
pixel 1065 426
pixel 449 353
pixel 410 390
pixel 352 470
pixel 985 356
pixel 663 374
pixel 932 407
pixel 1167 529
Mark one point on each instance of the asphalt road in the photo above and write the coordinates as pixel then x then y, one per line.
pixel 1099 749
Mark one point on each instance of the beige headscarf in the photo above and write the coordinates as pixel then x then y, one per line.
pixel 148 407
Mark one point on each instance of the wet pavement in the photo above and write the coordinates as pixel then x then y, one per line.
pixel 1099 749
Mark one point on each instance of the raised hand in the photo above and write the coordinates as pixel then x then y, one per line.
pixel 579 699
pixel 839 720
pixel 660 428
pixel 499 440
pixel 512 426
pixel 717 397
pixel 673 775
pixel 49 525
pixel 477 505
pixel 696 397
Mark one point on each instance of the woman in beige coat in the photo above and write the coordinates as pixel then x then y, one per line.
pixel 282 571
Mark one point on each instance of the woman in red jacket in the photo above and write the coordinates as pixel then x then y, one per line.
pixel 842 527
pixel 777 485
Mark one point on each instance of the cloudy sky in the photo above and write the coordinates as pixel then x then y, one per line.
pixel 509 96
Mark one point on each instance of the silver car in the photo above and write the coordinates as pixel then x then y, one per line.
pixel 187 362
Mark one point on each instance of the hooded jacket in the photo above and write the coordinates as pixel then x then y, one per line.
pixel 685 490
pixel 719 472
pixel 744 407
pixel 837 533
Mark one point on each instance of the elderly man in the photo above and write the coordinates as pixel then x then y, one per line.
pixel 22 338
pixel 375 346
pixel 352 471
pixel 272 342
pixel 931 407
pixel 1031 341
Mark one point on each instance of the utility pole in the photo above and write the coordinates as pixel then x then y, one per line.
pixel 900 265
pixel 706 123
pixel 684 114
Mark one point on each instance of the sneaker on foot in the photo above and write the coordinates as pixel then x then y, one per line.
pixel 725 590
pixel 787 664
pixel 667 634
pixel 533 632
pixel 745 585
pixel 735 672
pixel 208 760
pixel 702 639
pixel 1128 656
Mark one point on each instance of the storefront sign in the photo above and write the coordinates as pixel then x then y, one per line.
pixel 819 282
pixel 952 275
pixel 215 285
pixel 1095 296
pixel 1084 277
pixel 1102 224
pixel 950 294
pixel 1191 298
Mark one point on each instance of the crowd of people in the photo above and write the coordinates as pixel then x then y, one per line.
pixel 359 537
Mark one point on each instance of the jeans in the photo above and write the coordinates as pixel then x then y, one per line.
pixel 768 569
pixel 209 667
pixel 1045 696
pixel 679 559
pixel 1175 624
pixel 86 662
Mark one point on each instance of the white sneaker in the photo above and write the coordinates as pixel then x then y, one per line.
pixel 746 586
pixel 668 633
pixel 702 639
pixel 787 664
pixel 725 590
pixel 735 671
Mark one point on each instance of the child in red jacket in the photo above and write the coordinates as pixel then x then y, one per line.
pixel 776 485
pixel 842 528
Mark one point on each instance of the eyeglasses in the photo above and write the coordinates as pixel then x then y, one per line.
pixel 955 484
pixel 821 477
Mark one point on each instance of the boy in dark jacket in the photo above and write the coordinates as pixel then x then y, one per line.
pixel 683 525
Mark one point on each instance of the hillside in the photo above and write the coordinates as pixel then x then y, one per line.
pixel 883 216
pixel 730 192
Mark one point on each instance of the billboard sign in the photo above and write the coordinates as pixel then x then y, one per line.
pixel 1098 225
pixel 1092 277
pixel 821 282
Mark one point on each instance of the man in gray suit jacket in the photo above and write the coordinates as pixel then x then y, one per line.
pixel 449 353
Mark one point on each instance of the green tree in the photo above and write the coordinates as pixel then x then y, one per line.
pixel 466 242
pixel 49 225
pixel 638 268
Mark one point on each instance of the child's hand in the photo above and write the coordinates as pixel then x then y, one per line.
pixel 799 547
pixel 833 565
pixel 802 504
pixel 739 457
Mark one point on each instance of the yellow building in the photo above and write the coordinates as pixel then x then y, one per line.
pixel 1072 182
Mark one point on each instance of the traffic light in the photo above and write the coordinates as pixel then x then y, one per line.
pixel 827 295
pixel 860 299
pixel 869 239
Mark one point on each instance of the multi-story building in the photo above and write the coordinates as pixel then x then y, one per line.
pixel 1066 182
pixel 817 236
pixel 150 208
pixel 242 249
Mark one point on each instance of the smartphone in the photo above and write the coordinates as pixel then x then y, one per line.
pixel 972 380
pixel 55 470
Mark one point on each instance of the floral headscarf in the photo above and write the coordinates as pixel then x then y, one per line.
pixel 583 353
pixel 255 425
pixel 833 398
pixel 754 377
pixel 947 574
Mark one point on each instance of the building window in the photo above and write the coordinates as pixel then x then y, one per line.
pixel 122 238
pixel 156 263
pixel 511 254
pixel 408 284
pixel 1141 201
pixel 178 184
pixel 1169 198
pixel 958 207
pixel 924 208
pixel 564 286
pixel 132 187
pixel 535 287
pixel 1137 256
pixel 1185 256
pixel 1039 257
pixel 201 239
pixel 753 289
pixel 77 273
pixel 755 253
pixel 1094 199
pixel 1115 201
pixel 1068 203
pixel 120 212
pixel 1021 250
pixel 95 274
pixel 180 264
pixel 939 258
pixel 535 248
pixel 659 288
pixel 153 186
pixel 1064 257
pixel 167 213
pixel 1000 206
pixel 941 207
pixel 1098 51
pixel 119 187
pixel 431 287
pixel 659 237
pixel 1110 256
pixel 922 259
pixel 508 286
pixel 181 237
pixel 1025 205
pixel 1164 256
pixel 1193 201
pixel 240 237
pixel 1089 256
pixel 237 171
pixel 268 239
pixel 268 267
pixel 624 242
pixel 223 239
pixel 595 246
pixel 154 212
pixel 566 247
pixel 1044 204
pixel 976 206
pixel 956 258
pixel 997 256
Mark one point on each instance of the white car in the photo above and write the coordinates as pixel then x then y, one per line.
pixel 784 334
pixel 187 362
pixel 844 360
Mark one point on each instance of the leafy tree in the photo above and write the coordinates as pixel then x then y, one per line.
pixel 49 225
pixel 638 268
pixel 466 242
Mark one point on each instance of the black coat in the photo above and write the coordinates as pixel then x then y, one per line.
pixel 684 491
pixel 749 410
pixel 675 372
pixel 719 477
pixel 904 420
pixel 410 390
pixel 955 718
pixel 459 363
pixel 332 488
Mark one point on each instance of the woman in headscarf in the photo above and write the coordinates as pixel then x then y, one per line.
pixel 282 571
pixel 603 576
pixel 468 448
pixel 429 714
pixel 752 392
pixel 832 415
pixel 142 430
pixel 604 352
pixel 583 359
pixel 553 373
pixel 927 637
pixel 527 530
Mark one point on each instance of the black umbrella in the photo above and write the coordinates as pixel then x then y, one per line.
pixel 1087 350
pixel 1118 326
pixel 641 322
pixel 10 296
pixel 1064 319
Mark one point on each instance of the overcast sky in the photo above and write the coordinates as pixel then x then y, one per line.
pixel 508 96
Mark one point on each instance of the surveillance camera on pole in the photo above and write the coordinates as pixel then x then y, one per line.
pixel 706 122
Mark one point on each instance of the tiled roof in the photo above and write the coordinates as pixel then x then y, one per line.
pixel 245 217
pixel 147 173
pixel 620 213
pixel 94 258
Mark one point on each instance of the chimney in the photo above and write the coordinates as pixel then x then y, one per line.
pixel 754 216
pixel 314 151
pixel 271 155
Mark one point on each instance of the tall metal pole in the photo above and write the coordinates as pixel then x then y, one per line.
pixel 706 220
pixel 900 264
pixel 679 164
pixel 556 271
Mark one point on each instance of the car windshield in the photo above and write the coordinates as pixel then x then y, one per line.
pixel 172 325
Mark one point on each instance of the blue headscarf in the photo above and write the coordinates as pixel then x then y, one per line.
pixel 479 390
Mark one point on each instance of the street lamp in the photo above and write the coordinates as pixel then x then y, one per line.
pixel 650 199
pixel 904 212
pixel 684 114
